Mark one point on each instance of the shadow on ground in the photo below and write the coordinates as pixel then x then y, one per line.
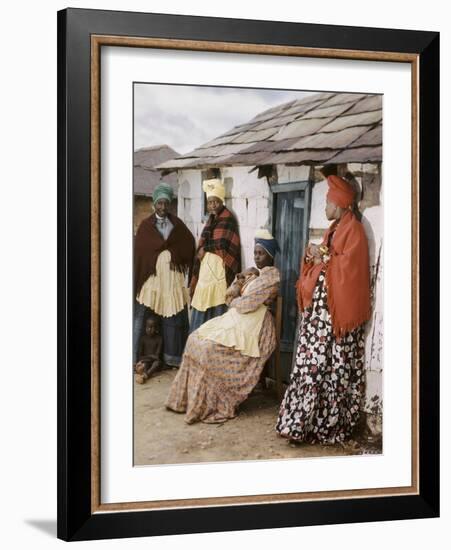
pixel 47 526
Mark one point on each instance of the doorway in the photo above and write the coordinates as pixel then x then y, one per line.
pixel 290 219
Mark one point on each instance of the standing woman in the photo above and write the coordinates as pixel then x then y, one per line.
pixel 218 258
pixel 164 253
pixel 322 401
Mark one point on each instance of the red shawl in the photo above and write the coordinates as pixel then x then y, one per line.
pixel 220 236
pixel 347 276
pixel 149 243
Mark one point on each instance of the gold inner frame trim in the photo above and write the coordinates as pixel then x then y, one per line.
pixel 97 41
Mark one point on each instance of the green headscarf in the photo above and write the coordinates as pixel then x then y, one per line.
pixel 162 191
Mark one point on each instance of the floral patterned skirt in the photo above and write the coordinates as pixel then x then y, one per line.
pixel 322 402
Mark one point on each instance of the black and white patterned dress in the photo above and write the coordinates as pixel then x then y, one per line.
pixel 322 401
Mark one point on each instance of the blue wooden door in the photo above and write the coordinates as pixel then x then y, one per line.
pixel 290 226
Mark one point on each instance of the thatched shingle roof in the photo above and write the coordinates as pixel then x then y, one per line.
pixel 322 128
pixel 145 176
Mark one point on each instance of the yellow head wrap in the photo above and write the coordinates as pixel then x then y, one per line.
pixel 214 188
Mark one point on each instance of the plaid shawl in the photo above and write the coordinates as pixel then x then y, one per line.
pixel 149 244
pixel 220 236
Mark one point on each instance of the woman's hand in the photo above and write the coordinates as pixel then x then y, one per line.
pixel 201 253
pixel 313 250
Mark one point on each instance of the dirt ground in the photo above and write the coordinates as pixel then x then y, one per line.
pixel 163 437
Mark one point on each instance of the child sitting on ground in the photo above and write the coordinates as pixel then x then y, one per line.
pixel 241 281
pixel 149 353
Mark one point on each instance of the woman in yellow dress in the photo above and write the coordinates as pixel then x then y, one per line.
pixel 218 258
pixel 224 358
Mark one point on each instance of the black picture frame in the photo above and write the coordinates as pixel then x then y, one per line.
pixel 76 518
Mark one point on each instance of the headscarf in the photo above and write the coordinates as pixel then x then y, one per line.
pixel 162 191
pixel 340 192
pixel 264 238
pixel 214 188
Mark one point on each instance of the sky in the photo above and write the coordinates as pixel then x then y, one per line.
pixel 185 117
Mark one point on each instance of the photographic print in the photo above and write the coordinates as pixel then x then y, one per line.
pixel 258 274
pixel 228 305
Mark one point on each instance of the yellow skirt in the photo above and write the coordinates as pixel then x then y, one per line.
pixel 211 286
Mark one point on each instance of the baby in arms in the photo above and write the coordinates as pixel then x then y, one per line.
pixel 241 281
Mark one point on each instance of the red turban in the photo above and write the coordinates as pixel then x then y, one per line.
pixel 340 192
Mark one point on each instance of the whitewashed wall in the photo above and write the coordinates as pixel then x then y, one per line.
pixel 189 208
pixel 289 174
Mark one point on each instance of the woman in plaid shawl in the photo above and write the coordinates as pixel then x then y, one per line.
pixel 218 258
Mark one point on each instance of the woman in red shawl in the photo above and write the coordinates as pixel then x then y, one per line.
pixel 322 401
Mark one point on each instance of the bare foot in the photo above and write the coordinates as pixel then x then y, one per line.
pixel 139 368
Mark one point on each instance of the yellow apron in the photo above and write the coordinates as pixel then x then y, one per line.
pixel 236 330
pixel 165 292
pixel 211 286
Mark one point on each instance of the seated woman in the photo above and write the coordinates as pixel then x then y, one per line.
pixel 223 359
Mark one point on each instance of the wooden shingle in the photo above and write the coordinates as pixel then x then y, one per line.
pixel 316 128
